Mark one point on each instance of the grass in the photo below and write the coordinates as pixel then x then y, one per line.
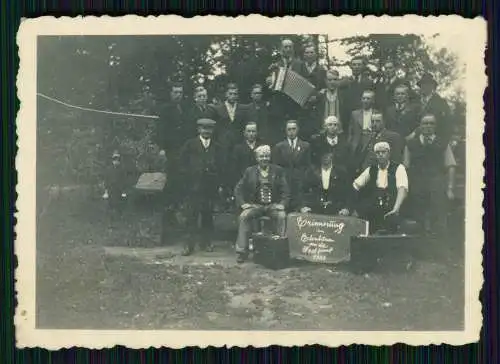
pixel 80 285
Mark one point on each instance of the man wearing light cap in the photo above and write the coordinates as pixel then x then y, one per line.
pixel 201 161
pixel 262 191
pixel 382 189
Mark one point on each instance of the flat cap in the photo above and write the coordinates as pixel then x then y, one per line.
pixel 206 122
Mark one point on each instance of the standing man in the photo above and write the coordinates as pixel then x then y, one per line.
pixel 334 142
pixel 329 102
pixel 379 133
pixel 382 189
pixel 431 167
pixel 294 155
pixel 402 116
pixel 258 112
pixel 282 106
pixel 386 85
pixel 171 131
pixel 311 69
pixel 202 166
pixel 230 117
pixel 432 103
pixel 357 84
pixel 262 191
pixel 243 155
pixel 200 109
pixel 361 122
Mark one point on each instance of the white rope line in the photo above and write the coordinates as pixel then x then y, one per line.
pixel 95 110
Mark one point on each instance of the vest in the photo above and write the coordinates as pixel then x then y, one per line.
pixel 426 160
pixel 264 194
pixel 384 197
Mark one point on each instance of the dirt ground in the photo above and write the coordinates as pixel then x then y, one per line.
pixel 99 272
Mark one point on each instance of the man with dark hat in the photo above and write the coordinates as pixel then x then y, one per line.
pixel 382 189
pixel 433 103
pixel 202 165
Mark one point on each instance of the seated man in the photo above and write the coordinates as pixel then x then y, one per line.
pixel 326 189
pixel 382 189
pixel 262 191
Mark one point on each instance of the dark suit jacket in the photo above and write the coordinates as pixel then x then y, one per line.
pixel 341 151
pixel 226 131
pixel 241 158
pixel 318 110
pixel 440 109
pixel 402 122
pixel 339 191
pixel 396 142
pixel 246 189
pixel 172 129
pixel 316 77
pixel 355 130
pixel 201 169
pixel 261 115
pixel 354 90
pixel 295 162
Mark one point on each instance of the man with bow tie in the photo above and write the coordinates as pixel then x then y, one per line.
pixel 294 155
pixel 431 166
pixel 379 133
pixel 243 155
pixel 402 115
pixel 332 141
pixel 202 166
pixel 381 190
pixel 261 191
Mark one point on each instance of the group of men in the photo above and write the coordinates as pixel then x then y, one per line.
pixel 353 149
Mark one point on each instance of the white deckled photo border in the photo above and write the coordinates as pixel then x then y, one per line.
pixel 472 35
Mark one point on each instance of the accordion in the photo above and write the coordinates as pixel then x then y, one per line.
pixel 298 88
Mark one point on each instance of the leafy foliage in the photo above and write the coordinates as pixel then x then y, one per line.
pixel 131 74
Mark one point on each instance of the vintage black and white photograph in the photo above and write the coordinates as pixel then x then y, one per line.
pixel 259 179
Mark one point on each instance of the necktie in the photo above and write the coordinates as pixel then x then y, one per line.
pixel 428 140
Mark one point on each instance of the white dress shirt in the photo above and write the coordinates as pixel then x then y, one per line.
pixel 292 143
pixel 231 110
pixel 311 67
pixel 325 177
pixel 332 140
pixel 367 119
pixel 382 178
pixel 205 142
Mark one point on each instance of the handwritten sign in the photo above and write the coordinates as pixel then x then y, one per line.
pixel 322 238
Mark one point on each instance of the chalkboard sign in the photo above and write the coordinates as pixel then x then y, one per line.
pixel 323 238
